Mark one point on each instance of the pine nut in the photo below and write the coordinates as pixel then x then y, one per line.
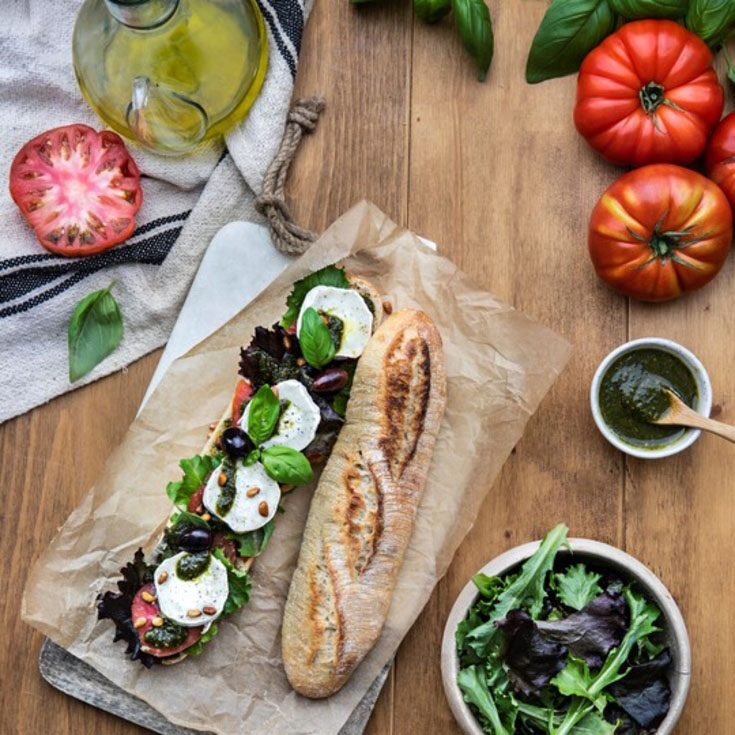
pixel 222 479
pixel 206 517
pixel 139 623
pixel 212 425
pixel 263 508
pixel 275 391
pixel 209 609
pixel 252 492
pixel 162 577
pixel 148 597
pixel 157 622
pixel 387 307
pixel 287 342
pixel 300 361
pixel 194 613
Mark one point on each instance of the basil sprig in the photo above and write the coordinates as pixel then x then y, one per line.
pixel 317 345
pixel 431 11
pixel 711 20
pixel 568 32
pixel 95 330
pixel 287 466
pixel 265 408
pixel 638 9
pixel 476 31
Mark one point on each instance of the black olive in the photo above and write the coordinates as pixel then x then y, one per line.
pixel 195 539
pixel 235 442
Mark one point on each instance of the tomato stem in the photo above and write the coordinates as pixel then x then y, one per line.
pixel 652 97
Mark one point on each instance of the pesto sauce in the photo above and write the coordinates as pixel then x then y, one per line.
pixel 632 394
pixel 169 635
pixel 227 491
pixel 192 565
pixel 335 327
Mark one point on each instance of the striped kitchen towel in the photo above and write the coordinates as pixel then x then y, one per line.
pixel 186 200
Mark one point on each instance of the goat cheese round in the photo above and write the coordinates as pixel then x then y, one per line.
pixel 195 600
pixel 256 498
pixel 350 308
pixel 299 420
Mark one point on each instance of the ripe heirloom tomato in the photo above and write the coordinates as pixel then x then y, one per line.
pixel 660 231
pixel 648 94
pixel 721 157
pixel 78 189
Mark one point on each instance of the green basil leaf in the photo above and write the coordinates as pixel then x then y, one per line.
pixel 253 543
pixel 568 32
pixel 476 31
pixel 265 408
pixel 287 466
pixel 95 330
pixel 711 20
pixel 431 11
pixel 252 458
pixel 328 276
pixel 636 9
pixel 317 345
pixel 192 519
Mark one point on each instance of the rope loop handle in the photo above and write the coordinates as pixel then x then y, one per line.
pixel 288 237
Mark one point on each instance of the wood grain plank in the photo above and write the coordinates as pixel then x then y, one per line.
pixel 499 177
pixel 48 460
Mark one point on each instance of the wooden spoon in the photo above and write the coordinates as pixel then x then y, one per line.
pixel 682 415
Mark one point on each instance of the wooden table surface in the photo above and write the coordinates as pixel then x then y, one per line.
pixel 497 175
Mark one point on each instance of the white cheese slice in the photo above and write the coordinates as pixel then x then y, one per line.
pixel 299 421
pixel 178 597
pixel 347 306
pixel 250 510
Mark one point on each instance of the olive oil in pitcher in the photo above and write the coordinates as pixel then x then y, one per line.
pixel 170 73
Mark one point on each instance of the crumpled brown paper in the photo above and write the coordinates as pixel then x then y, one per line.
pixel 499 366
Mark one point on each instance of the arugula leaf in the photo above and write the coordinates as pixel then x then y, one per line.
pixel 253 543
pixel 198 647
pixel 711 20
pixel 526 591
pixel 328 276
pixel 287 466
pixel 196 469
pixel 95 330
pixel 316 341
pixel 637 9
pixel 239 584
pixel 475 690
pixel 568 32
pixel 265 409
pixel 577 587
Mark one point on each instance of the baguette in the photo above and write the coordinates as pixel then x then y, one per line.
pixel 363 510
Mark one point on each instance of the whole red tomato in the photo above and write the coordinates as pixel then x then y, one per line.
pixel 660 231
pixel 721 157
pixel 648 94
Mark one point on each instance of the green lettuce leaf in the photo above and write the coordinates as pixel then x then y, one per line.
pixel 198 647
pixel 253 543
pixel 239 583
pixel 473 684
pixel 195 469
pixel 577 587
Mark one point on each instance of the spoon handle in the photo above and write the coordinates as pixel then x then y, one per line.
pixel 696 421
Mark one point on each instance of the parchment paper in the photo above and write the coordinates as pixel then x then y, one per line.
pixel 499 366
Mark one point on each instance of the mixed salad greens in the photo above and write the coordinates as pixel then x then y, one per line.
pixel 560 648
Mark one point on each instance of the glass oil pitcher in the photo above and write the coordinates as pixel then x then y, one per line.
pixel 170 73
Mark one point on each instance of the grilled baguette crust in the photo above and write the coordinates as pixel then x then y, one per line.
pixel 362 513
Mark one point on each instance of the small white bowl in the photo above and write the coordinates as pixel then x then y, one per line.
pixel 703 404
pixel 602 555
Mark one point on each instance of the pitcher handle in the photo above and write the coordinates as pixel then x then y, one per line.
pixel 164 120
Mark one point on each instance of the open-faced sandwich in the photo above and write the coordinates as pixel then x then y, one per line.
pixel 288 408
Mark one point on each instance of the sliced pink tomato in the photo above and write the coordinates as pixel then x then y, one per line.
pixel 243 391
pixel 148 611
pixel 78 189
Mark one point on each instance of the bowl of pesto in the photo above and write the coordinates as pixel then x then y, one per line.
pixel 628 394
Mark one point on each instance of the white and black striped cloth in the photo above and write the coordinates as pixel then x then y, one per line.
pixel 186 200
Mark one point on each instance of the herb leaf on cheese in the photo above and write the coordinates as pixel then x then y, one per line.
pixel 196 469
pixel 328 276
